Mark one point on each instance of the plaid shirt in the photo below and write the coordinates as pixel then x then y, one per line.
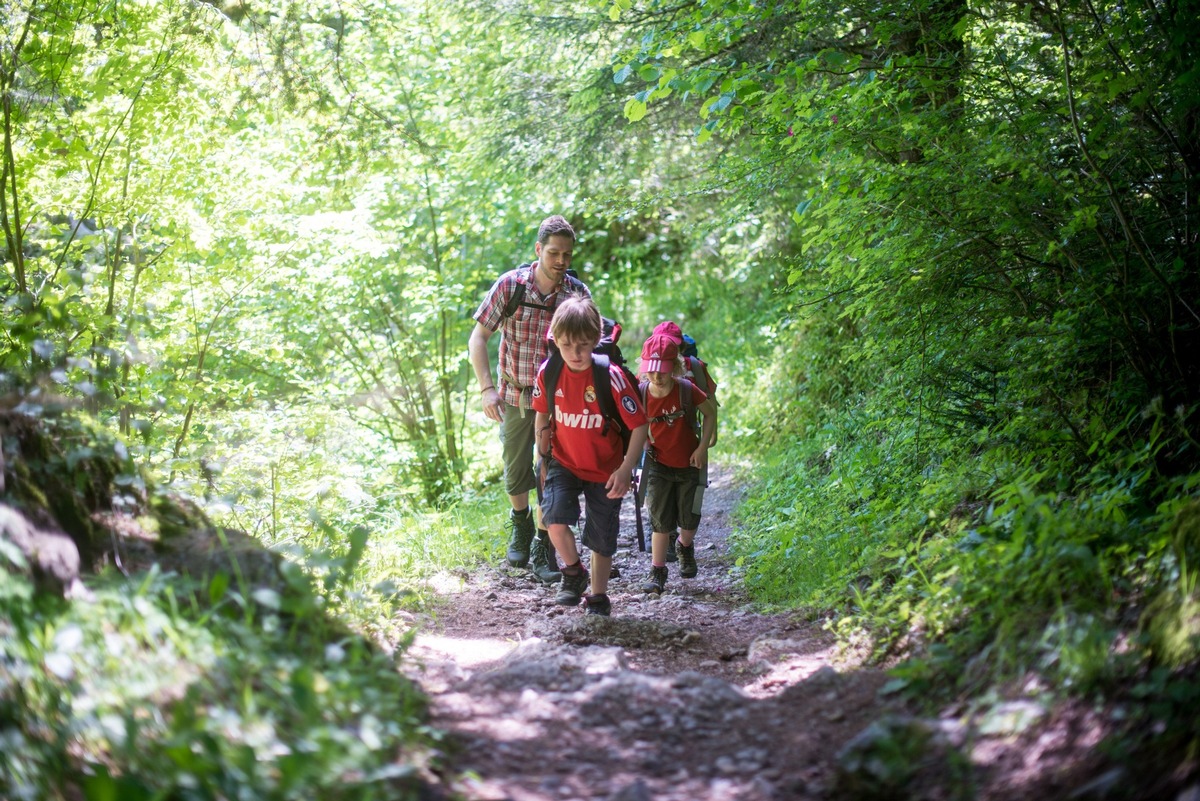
pixel 523 336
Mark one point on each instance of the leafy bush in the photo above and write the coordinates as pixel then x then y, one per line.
pixel 170 688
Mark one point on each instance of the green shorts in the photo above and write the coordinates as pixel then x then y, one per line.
pixel 516 441
pixel 671 496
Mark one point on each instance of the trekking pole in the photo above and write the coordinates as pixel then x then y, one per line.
pixel 639 494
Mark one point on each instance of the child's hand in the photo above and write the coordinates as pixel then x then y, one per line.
pixel 699 457
pixel 619 482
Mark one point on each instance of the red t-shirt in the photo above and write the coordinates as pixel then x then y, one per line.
pixel 578 443
pixel 673 441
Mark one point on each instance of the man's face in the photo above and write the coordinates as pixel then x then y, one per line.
pixel 576 354
pixel 554 257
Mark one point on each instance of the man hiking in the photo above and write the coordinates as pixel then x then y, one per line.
pixel 520 306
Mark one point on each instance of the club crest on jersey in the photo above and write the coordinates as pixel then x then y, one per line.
pixel 537 391
pixel 589 395
pixel 629 404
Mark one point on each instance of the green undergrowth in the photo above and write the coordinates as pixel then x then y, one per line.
pixel 997 561
pixel 233 666
pixel 172 688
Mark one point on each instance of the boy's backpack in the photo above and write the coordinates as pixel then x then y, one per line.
pixel 571 283
pixel 688 348
pixel 695 369
pixel 606 352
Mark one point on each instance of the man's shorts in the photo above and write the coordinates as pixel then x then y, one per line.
pixel 516 441
pixel 560 505
pixel 671 494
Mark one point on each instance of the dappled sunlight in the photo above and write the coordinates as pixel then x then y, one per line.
pixel 465 652
pixel 446 584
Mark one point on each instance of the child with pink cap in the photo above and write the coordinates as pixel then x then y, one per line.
pixel 676 455
pixel 694 369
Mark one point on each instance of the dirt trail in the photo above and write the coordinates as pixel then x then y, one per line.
pixel 693 695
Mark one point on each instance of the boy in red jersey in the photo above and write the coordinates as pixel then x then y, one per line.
pixel 676 456
pixel 583 450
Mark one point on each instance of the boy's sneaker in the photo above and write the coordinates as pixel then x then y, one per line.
pixel 570 588
pixel 521 531
pixel 543 560
pixel 597 605
pixel 656 581
pixel 671 555
pixel 687 560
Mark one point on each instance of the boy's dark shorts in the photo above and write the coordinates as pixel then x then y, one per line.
pixel 560 505
pixel 671 494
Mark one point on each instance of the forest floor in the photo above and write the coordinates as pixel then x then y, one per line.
pixel 696 695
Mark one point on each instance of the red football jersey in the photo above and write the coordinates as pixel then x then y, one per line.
pixel 579 443
pixel 673 441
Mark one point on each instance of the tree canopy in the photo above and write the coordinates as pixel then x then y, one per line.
pixel 942 256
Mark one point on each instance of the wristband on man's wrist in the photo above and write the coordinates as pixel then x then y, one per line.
pixel 485 389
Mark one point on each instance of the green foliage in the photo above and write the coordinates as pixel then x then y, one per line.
pixel 165 687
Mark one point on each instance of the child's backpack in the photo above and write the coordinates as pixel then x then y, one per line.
pixel 606 352
pixel 695 369
pixel 516 300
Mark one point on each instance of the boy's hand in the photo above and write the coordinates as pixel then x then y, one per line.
pixel 619 482
pixel 699 457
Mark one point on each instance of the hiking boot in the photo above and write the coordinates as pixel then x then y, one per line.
pixel 656 581
pixel 570 588
pixel 671 555
pixel 597 605
pixel 543 559
pixel 687 561
pixel 521 531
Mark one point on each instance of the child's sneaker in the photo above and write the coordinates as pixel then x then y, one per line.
pixel 671 555
pixel 570 588
pixel 597 605
pixel 687 560
pixel 656 581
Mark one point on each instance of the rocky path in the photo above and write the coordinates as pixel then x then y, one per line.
pixel 690 696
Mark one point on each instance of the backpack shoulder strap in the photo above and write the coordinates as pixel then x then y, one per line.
pixel 688 401
pixel 573 284
pixel 517 299
pixel 603 381
pixel 608 405
pixel 518 294
pixel 685 395
pixel 554 366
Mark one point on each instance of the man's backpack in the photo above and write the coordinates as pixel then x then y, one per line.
pixel 571 284
pixel 606 352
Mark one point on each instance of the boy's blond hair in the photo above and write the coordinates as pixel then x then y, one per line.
pixel 577 319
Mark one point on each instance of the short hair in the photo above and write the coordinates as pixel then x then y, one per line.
pixel 555 225
pixel 576 320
